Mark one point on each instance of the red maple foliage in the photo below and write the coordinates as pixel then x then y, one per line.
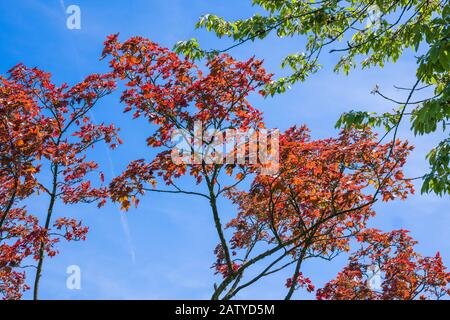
pixel 404 274
pixel 174 94
pixel 45 126
pixel 319 199
pixel 23 131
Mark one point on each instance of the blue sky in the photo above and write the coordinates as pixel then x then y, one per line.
pixel 164 249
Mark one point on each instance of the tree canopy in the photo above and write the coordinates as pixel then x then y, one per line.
pixel 364 33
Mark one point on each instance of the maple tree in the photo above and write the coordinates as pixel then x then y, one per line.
pixel 45 126
pixel 405 274
pixel 163 88
pixel 320 197
pixel 20 144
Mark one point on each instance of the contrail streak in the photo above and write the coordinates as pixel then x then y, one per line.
pixel 123 217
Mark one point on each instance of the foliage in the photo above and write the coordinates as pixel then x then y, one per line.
pixel 320 197
pixel 374 32
pixel 405 274
pixel 44 126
